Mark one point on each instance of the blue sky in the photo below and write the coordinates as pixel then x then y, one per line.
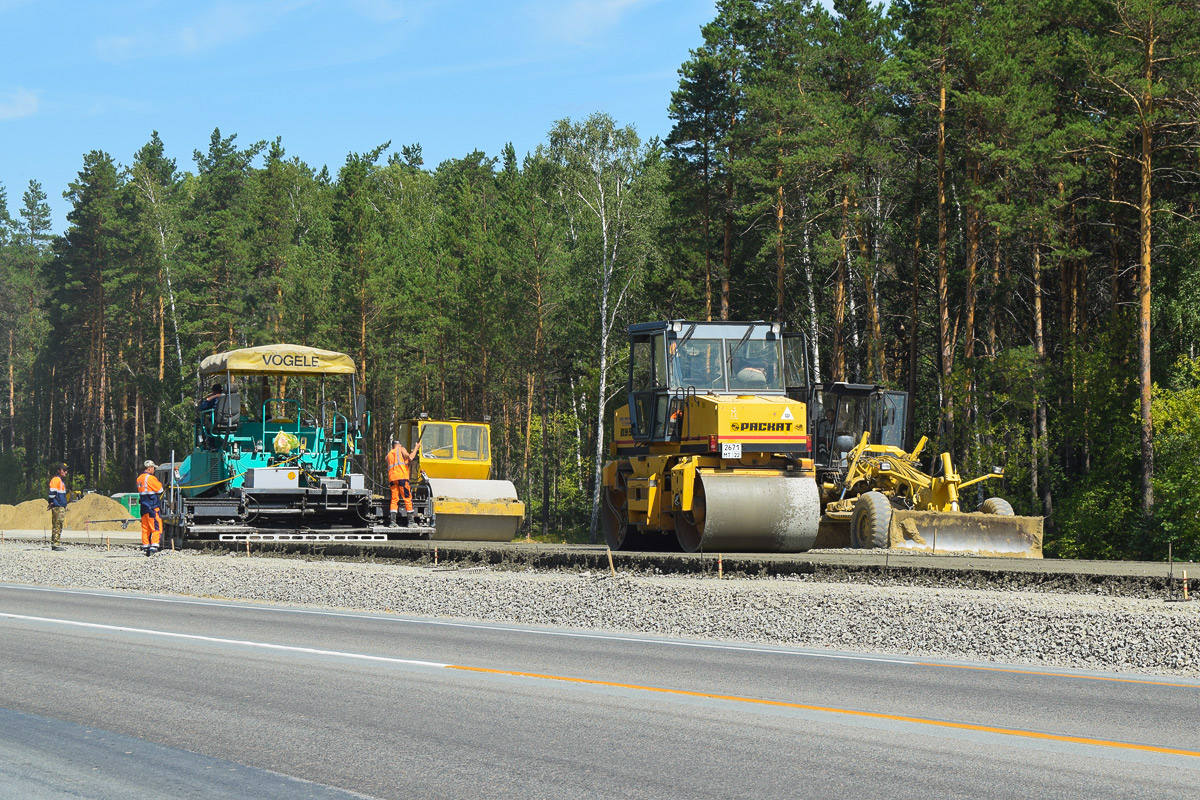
pixel 328 77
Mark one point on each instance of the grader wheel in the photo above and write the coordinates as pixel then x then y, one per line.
pixel 871 521
pixel 996 505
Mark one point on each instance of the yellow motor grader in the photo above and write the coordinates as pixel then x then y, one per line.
pixel 873 483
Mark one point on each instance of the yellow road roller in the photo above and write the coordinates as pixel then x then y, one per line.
pixel 455 497
pixel 710 453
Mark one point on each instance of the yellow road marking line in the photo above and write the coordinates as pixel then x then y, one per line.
pixel 966 726
pixel 583 634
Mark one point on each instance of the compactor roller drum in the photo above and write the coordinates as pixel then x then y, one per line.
pixel 475 511
pixel 750 513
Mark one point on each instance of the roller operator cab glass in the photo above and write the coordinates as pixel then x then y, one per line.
pixel 755 365
pixel 473 442
pixel 437 440
pixel 733 364
pixel 699 363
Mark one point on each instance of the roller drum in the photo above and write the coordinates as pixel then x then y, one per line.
pixel 474 511
pixel 748 512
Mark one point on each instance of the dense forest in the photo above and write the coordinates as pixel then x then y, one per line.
pixel 991 205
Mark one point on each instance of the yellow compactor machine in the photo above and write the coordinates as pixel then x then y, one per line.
pixel 455 497
pixel 710 453
pixel 725 446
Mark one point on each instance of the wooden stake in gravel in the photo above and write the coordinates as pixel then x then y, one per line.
pixel 611 568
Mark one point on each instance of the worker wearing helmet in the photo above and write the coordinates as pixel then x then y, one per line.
pixel 398 459
pixel 149 489
pixel 56 501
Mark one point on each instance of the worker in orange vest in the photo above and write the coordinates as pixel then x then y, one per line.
pixel 149 488
pixel 57 503
pixel 398 459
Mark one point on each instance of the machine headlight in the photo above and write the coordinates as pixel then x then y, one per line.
pixel 884 466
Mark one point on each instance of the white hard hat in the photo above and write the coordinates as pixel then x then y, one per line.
pixel 148 464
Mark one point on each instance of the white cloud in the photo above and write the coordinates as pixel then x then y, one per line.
pixel 212 27
pixel 581 21
pixel 18 104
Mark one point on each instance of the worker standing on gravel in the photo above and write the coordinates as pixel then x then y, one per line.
pixel 56 502
pixel 398 459
pixel 149 488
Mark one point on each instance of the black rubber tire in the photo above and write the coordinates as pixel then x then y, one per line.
pixel 996 505
pixel 614 516
pixel 871 520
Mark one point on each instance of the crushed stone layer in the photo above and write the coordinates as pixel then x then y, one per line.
pixel 1046 629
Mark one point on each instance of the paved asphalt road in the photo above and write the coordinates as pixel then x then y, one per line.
pixel 134 696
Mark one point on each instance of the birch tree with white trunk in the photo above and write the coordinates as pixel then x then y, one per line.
pixel 603 181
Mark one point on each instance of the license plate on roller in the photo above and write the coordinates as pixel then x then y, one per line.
pixel 731 449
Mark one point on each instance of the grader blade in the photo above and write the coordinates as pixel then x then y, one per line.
pixel 475 510
pixel 970 534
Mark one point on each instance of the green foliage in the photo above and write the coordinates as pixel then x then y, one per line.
pixel 1177 467
pixel 814 174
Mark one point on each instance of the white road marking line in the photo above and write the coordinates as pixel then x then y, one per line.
pixel 218 640
pixel 606 637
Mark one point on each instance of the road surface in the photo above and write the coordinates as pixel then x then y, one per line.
pixel 104 694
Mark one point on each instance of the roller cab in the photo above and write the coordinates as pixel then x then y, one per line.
pixel 710 453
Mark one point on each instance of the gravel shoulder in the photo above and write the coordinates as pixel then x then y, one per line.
pixel 1046 629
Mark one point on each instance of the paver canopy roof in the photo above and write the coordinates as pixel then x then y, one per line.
pixel 278 359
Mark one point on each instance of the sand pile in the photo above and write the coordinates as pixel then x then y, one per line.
pixel 33 516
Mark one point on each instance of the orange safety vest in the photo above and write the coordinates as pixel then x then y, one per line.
pixel 58 492
pixel 148 488
pixel 397 465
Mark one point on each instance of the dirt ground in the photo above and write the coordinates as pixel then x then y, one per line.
pixel 33 515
